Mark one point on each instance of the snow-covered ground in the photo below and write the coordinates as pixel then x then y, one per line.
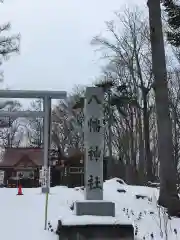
pixel 22 217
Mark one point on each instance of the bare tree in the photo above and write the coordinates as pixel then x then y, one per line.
pixel 129 55
pixel 8 44
pixel 174 97
pixel 67 124
pixel 35 125
pixel 10 134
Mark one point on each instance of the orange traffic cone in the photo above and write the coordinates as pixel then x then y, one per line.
pixel 20 190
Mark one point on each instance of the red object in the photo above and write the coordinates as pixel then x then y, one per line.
pixel 20 190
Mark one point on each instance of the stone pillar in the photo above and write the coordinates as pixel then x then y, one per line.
pixel 94 143
pixel 46 140
pixel 94 146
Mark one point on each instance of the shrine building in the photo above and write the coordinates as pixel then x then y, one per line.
pixel 21 164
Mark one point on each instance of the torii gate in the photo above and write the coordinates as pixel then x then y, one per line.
pixel 46 96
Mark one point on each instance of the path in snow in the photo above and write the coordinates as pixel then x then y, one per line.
pixel 22 217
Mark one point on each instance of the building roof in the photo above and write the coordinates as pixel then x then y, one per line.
pixel 13 155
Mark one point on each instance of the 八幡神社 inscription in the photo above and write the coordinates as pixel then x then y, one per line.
pixel 94 138
pixel 94 124
pixel 95 97
pixel 94 153
pixel 94 182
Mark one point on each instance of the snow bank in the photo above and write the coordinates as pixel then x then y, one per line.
pixel 22 217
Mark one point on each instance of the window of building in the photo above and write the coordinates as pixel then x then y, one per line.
pixel 76 170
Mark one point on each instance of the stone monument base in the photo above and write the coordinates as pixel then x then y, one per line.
pixel 94 208
pixel 95 231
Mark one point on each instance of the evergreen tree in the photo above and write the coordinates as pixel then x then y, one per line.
pixel 172 8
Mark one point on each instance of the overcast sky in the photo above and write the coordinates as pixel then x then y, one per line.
pixel 55 41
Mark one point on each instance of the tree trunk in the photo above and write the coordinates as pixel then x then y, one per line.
pixel 141 151
pixel 149 164
pixel 128 161
pixel 168 190
pixel 132 149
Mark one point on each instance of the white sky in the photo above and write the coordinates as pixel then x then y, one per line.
pixel 55 41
